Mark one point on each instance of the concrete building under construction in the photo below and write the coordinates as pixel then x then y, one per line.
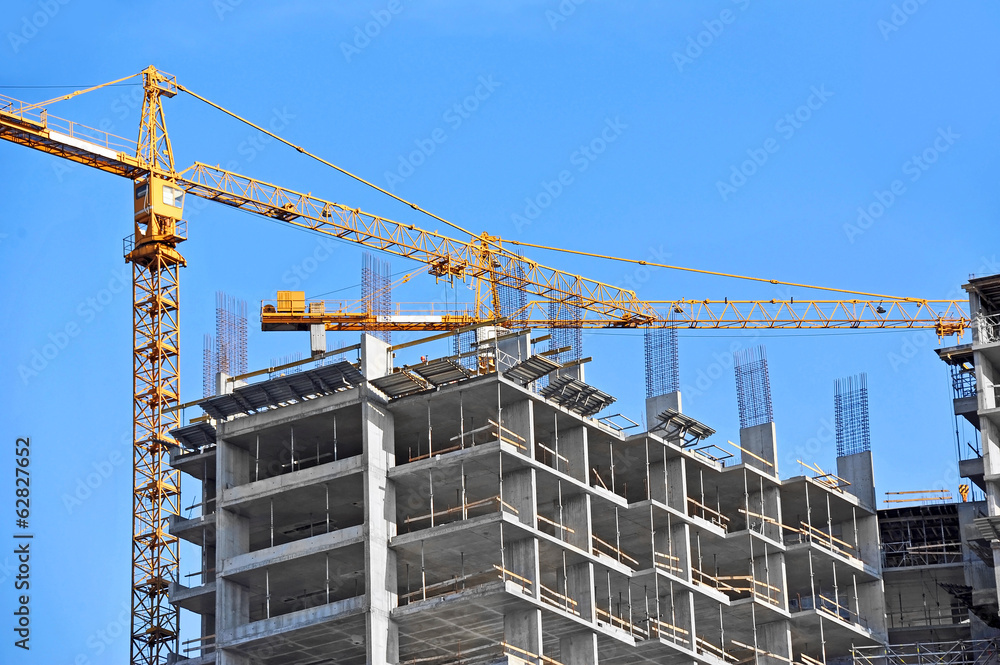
pixel 475 509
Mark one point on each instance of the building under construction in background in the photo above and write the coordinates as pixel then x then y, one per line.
pixel 448 512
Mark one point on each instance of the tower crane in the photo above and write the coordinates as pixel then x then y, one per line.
pixel 152 249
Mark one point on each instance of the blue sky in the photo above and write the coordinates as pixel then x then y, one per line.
pixel 688 92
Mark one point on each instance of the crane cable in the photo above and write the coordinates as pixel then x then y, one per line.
pixel 330 164
pixel 466 231
pixel 712 272
pixel 526 244
pixel 63 98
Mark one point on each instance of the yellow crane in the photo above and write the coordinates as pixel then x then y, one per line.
pixel 152 249
pixel 291 311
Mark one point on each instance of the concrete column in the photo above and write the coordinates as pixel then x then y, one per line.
pixel 770 569
pixel 519 492
pixel 578 649
pixel 657 405
pixel 376 358
pixel 574 372
pixel 761 440
pixel 658 482
pixel 775 637
pixel 519 418
pixel 232 600
pixel 767 503
pixel 580 587
pixel 513 349
pixel 317 339
pixel 232 465
pixel 677 490
pixel 859 471
pixel 523 630
pixel 678 609
pixel 521 558
pixel 868 540
pixel 675 542
pixel 576 516
pixel 382 641
pixel 871 606
pixel 573 446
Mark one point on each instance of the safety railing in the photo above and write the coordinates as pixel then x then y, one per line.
pixel 668 631
pixel 807 533
pixel 698 509
pixel 488 433
pixel 602 547
pixel 43 120
pixel 667 562
pixel 464 510
pixel 621 622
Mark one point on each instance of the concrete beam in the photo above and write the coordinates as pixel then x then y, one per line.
pixel 276 485
pixel 289 414
pixel 276 626
pixel 271 556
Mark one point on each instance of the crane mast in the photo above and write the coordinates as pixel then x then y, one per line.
pixel 156 490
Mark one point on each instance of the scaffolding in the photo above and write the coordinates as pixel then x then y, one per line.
pixel 920 536
pixel 958 652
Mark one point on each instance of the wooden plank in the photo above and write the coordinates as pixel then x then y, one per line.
pixel 555 524
pixel 756 457
pixel 615 549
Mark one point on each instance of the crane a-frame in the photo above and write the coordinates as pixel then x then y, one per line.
pixel 152 249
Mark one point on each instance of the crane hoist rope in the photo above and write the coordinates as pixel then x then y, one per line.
pixel 498 246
